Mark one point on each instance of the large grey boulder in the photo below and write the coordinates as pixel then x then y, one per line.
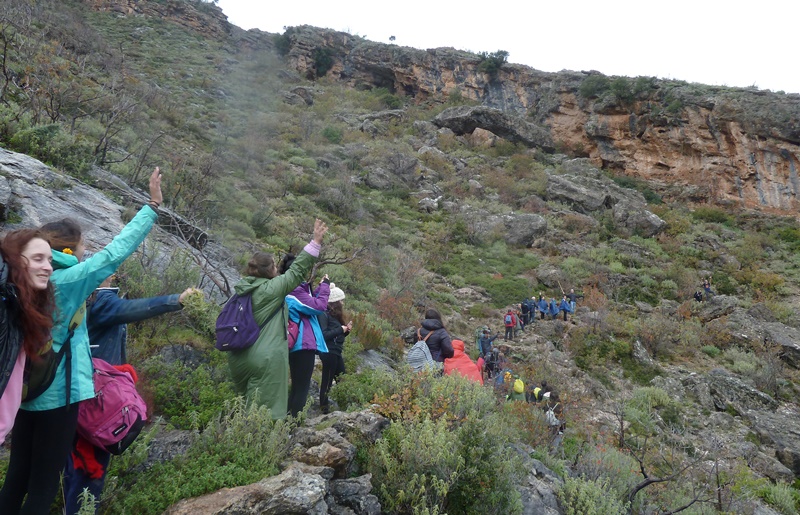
pixel 731 392
pixel 781 431
pixel 465 119
pixel 292 491
pixel 582 187
pixel 517 229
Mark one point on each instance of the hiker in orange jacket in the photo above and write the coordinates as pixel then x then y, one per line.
pixel 461 364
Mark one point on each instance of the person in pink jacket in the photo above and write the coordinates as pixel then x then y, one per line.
pixel 461 364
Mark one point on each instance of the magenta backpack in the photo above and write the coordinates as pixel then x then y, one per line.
pixel 116 415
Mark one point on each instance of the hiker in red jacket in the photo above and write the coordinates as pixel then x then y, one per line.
pixel 510 322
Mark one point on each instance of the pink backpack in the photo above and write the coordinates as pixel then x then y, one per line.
pixel 116 415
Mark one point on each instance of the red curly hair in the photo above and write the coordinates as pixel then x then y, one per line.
pixel 36 306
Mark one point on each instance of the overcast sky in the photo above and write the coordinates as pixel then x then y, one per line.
pixel 718 42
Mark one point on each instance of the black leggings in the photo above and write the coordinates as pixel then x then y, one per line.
pixel 301 366
pixel 332 368
pixel 40 443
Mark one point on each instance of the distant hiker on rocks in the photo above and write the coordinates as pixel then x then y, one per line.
pixel 518 326
pixel 698 296
pixel 542 305
pixel 525 308
pixel 573 297
pixel 565 307
pixel 553 308
pixel 509 321
pixel 485 342
pixel 439 343
pixel 707 287
pixel 461 364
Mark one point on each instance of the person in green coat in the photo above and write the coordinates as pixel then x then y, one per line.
pixel 261 372
pixel 45 426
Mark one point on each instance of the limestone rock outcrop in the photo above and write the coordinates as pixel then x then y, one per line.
pixel 735 146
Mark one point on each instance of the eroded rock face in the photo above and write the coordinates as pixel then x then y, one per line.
pixel 587 191
pixel 466 119
pixel 736 146
pixel 782 432
pixel 517 229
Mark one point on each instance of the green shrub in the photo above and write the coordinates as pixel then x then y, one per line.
pixel 240 446
pixel 358 389
pixel 332 134
pixel 189 395
pixel 711 351
pixel 782 497
pixel 594 86
pixel 710 214
pixel 581 497
pixel 490 64
pixel 63 150
pixel 465 444
pixel 323 61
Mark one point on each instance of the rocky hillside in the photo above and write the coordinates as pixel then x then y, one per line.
pixel 447 183
pixel 722 145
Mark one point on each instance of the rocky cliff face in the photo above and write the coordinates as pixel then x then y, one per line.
pixel 722 145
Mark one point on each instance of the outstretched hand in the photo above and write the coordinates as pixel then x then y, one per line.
pixel 319 231
pixel 187 292
pixel 155 186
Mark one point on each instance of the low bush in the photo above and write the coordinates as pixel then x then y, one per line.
pixel 581 497
pixel 240 446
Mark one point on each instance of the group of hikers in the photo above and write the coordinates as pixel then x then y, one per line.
pixel 60 313
pixel 436 352
pixel 518 317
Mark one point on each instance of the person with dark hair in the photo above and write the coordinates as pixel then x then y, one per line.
pixel 107 316
pixel 335 330
pixel 27 313
pixel 305 337
pixel 485 342
pixel 45 425
pixel 439 343
pixel 261 372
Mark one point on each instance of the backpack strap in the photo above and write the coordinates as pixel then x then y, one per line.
pixel 419 336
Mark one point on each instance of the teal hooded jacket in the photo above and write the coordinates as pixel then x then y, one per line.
pixel 73 283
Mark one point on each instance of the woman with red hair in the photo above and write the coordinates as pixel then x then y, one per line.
pixel 26 316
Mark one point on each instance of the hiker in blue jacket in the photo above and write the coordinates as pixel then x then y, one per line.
pixel 553 308
pixel 45 426
pixel 542 305
pixel 485 342
pixel 107 316
pixel 565 307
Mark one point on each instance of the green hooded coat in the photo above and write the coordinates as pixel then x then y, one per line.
pixel 261 372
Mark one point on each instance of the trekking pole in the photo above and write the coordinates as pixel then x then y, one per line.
pixel 561 288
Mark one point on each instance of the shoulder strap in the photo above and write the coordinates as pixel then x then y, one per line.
pixel 419 336
pixel 280 308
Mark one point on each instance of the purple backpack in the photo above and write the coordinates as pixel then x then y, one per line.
pixel 115 416
pixel 236 327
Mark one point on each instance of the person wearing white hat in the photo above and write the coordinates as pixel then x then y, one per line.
pixel 335 331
